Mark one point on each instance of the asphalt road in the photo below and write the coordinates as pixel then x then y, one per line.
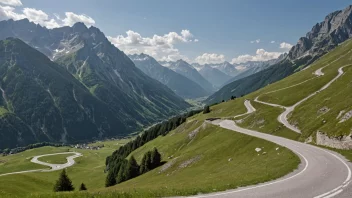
pixel 53 167
pixel 283 117
pixel 321 174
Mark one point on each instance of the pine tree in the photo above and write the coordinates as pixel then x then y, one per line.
pixel 110 179
pixel 63 183
pixel 121 177
pixel 146 164
pixel 132 169
pixel 206 110
pixel 82 187
pixel 155 158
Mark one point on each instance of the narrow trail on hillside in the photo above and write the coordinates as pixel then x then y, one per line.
pixel 53 167
pixel 282 118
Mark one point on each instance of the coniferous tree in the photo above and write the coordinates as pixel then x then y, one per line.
pixel 206 110
pixel 146 164
pixel 155 158
pixel 82 187
pixel 63 183
pixel 121 176
pixel 132 169
pixel 110 179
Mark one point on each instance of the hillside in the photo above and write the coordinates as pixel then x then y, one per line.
pixel 43 102
pixel 324 36
pixel 195 150
pixel 181 85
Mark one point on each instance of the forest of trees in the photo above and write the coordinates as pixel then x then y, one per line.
pixel 129 169
pixel 118 159
pixel 30 146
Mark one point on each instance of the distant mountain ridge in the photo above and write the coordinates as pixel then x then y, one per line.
pixel 180 84
pixel 324 36
pixel 214 76
pixel 185 69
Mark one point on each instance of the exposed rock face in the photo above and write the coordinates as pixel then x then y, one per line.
pixel 324 36
pixel 343 142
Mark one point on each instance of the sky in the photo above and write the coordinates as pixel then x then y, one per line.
pixel 202 31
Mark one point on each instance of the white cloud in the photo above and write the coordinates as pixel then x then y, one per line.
pixel 72 18
pixel 285 46
pixel 160 47
pixel 210 58
pixel 260 55
pixel 42 18
pixel 272 42
pixel 255 41
pixel 7 12
pixel 11 2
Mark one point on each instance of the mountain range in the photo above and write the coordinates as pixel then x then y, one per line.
pixel 187 70
pixel 324 36
pixel 92 90
pixel 180 84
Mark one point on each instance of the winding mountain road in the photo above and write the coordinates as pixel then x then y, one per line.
pixel 321 174
pixel 283 116
pixel 53 167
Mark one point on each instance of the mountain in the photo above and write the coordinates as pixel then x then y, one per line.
pixel 181 85
pixel 109 75
pixel 41 101
pixel 324 36
pixel 214 76
pixel 185 69
pixel 252 67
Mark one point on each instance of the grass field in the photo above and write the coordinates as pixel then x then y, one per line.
pixel 265 120
pixel 21 161
pixel 88 169
pixel 55 159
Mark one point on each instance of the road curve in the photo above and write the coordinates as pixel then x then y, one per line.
pixel 321 174
pixel 282 118
pixel 53 167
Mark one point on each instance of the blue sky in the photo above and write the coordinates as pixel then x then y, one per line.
pixel 214 31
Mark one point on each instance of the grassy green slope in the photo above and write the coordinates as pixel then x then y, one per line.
pixel 287 97
pixel 218 159
pixel 88 169
pixel 265 120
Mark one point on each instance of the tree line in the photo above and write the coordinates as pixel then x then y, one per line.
pixel 129 169
pixel 30 146
pixel 117 159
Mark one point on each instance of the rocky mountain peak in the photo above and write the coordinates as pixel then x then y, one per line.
pixel 335 29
